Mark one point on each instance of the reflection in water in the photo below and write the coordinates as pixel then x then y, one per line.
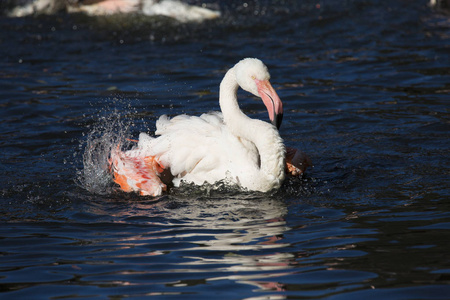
pixel 228 238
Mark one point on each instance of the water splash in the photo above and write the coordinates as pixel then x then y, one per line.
pixel 113 128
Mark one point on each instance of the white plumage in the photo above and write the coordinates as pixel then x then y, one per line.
pixel 200 149
pixel 215 146
pixel 175 9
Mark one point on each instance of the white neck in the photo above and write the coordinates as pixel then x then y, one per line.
pixel 264 135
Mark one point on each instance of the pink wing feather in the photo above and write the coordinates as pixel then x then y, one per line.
pixel 136 173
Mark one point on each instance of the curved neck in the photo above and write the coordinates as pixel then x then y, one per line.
pixel 264 135
pixel 232 114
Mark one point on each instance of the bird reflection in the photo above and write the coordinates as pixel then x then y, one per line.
pixel 226 238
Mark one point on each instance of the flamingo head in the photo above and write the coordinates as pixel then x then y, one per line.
pixel 252 76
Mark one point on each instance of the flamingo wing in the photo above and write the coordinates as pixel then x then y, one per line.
pixel 134 171
pixel 199 149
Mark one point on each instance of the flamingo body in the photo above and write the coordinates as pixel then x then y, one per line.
pixel 202 149
pixel 175 9
pixel 227 146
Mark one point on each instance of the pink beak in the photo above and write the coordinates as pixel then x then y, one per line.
pixel 271 101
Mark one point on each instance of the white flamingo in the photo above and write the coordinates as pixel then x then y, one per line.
pixel 176 9
pixel 216 146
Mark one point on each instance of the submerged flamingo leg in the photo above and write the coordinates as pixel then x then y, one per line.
pixel 296 161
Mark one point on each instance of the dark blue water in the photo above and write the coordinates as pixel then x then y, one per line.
pixel 366 92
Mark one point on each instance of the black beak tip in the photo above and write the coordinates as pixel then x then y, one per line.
pixel 277 120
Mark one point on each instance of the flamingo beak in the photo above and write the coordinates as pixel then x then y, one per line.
pixel 271 101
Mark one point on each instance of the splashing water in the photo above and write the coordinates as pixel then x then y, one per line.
pixel 109 131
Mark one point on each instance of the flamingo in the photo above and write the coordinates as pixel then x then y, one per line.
pixel 175 9
pixel 217 146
